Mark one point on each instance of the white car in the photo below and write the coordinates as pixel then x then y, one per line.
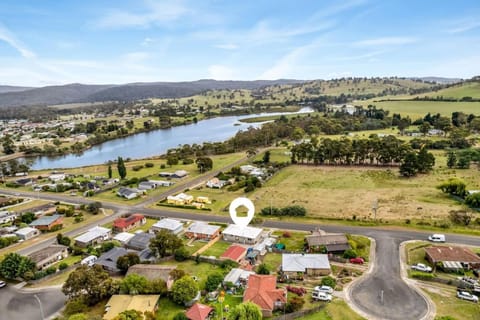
pixel 467 296
pixel 326 289
pixel 2 284
pixel 437 238
pixel 421 267
pixel 321 296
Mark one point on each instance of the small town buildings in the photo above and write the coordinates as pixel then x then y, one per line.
pixel 234 253
pixel 55 177
pixel 180 174
pixel 202 231
pixel 154 272
pixel 43 258
pixel 46 223
pixel 244 235
pixel 126 223
pixel 298 264
pixel 162 183
pixel 453 257
pixel 216 183
pixel 27 233
pixel 140 241
pixel 238 277
pixel 94 236
pixel 171 225
pixel 127 193
pixel 7 217
pixel 108 260
pixel 147 185
pixel 123 237
pixel 330 242
pixel 201 199
pixel 262 290
pixel 119 303
pixel 180 199
pixel 199 312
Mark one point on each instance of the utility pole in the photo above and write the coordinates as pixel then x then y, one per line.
pixel 374 208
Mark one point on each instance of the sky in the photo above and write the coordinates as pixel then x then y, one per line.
pixel 53 42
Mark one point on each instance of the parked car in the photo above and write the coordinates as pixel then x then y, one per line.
pixel 89 261
pixel 421 267
pixel 467 296
pixel 321 296
pixel 437 238
pixel 326 289
pixel 358 260
pixel 2 284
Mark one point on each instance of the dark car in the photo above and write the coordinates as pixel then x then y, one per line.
pixel 357 260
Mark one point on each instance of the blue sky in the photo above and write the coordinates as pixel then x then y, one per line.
pixel 57 42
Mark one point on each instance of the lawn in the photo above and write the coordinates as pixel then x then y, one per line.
pixel 335 310
pixel 276 155
pixel 293 240
pixel 167 309
pixel 217 249
pixel 194 246
pixel 348 192
pixel 200 270
pixel 273 261
pixel 447 304
pixel 416 252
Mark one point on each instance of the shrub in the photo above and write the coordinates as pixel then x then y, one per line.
pixel 74 306
pixel 63 266
pixel 149 165
pixel 287 234
pixel 137 168
pixel 422 275
pixel 350 253
pixel 299 291
pixel 328 281
pixel 295 304
pixel 162 166
pixel 180 316
pixel 187 161
pixel 51 270
pixel 181 254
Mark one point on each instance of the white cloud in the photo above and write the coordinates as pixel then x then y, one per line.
pixel 284 66
pixel 148 41
pixel 464 26
pixel 9 38
pixel 220 72
pixel 385 41
pixel 226 46
pixel 155 13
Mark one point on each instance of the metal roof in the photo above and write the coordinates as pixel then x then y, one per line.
pixel 244 232
pixel 298 262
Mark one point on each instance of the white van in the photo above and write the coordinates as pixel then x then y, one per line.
pixel 89 261
pixel 437 238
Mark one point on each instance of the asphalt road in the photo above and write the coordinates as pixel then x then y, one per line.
pixel 25 305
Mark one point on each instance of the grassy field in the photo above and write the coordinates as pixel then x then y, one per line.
pixel 469 89
pixel 447 304
pixel 348 192
pixel 335 310
pixel 217 249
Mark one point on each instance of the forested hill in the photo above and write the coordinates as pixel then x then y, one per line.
pixel 129 92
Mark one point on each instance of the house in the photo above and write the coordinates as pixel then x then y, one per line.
pixel 199 312
pixel 331 242
pixel 239 234
pixel 234 253
pixel 154 272
pixel 123 237
pixel 262 290
pixel 246 169
pixel 49 255
pixel 127 193
pixel 237 276
pixel 27 233
pixel 165 174
pixel 93 237
pixel 299 264
pixel 46 223
pixel 216 183
pixel 449 255
pixel 162 183
pixel 7 217
pixel 147 185
pixel 140 241
pixel 24 182
pixel 179 174
pixel 171 225
pixel 119 303
pixel 202 231
pixel 108 260
pixel 55 177
pixel 201 199
pixel 180 199
pixel 132 221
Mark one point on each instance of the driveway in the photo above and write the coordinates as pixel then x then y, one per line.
pixel 25 304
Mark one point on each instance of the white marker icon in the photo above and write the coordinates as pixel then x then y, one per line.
pixel 247 203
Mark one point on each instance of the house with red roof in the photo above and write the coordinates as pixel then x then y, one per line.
pixel 130 222
pixel 235 253
pixel 199 312
pixel 262 290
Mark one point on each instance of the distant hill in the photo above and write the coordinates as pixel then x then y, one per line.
pixel 440 80
pixel 458 91
pixel 73 93
pixel 4 89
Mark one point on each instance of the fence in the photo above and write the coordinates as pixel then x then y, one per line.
pixel 299 314
pixel 53 274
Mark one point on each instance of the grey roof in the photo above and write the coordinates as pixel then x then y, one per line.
pixel 45 220
pixel 326 239
pixel 236 274
pixel 140 240
pixel 92 234
pixel 168 224
pixel 109 258
pixel 298 262
pixel 244 232
pixel 127 191
pixel 202 228
pixel 49 251
pixel 25 231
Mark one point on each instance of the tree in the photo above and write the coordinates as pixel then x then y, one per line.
pixel 89 284
pixel 129 315
pixel 165 243
pixel 181 254
pixel 184 290
pixel 63 240
pixel 8 145
pixel 425 127
pixel 245 311
pixel 213 281
pixel 122 170
pixel 134 284
pixel 126 261
pixel 180 316
pixel 93 207
pixel 15 266
pixel 451 159
pixel 473 200
pixel 110 172
pixel 294 304
pixel 425 161
pixel 266 157
pixel 177 274
pixel 328 281
pixel 172 160
pixel 27 217
pixel 204 164
pixel 78 316
pixel 408 168
pixel 263 269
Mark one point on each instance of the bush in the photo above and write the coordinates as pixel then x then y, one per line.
pixel 228 264
pixel 74 306
pixel 180 316
pixel 422 275
pixel 350 253
pixel 63 266
pixel 263 269
pixel 137 168
pixel 162 166
pixel 149 165
pixel 51 270
pixel 287 234
pixel 213 281
pixel 295 304
pixel 181 254
pixel 187 161
pixel 299 291
pixel 328 281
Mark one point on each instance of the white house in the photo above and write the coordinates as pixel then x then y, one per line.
pixel 55 177
pixel 93 236
pixel 239 234
pixel 6 217
pixel 147 185
pixel 127 193
pixel 171 225
pixel 216 183
pixel 162 183
pixel 123 237
pixel 309 264
pixel 27 233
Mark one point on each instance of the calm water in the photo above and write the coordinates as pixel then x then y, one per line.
pixel 153 143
